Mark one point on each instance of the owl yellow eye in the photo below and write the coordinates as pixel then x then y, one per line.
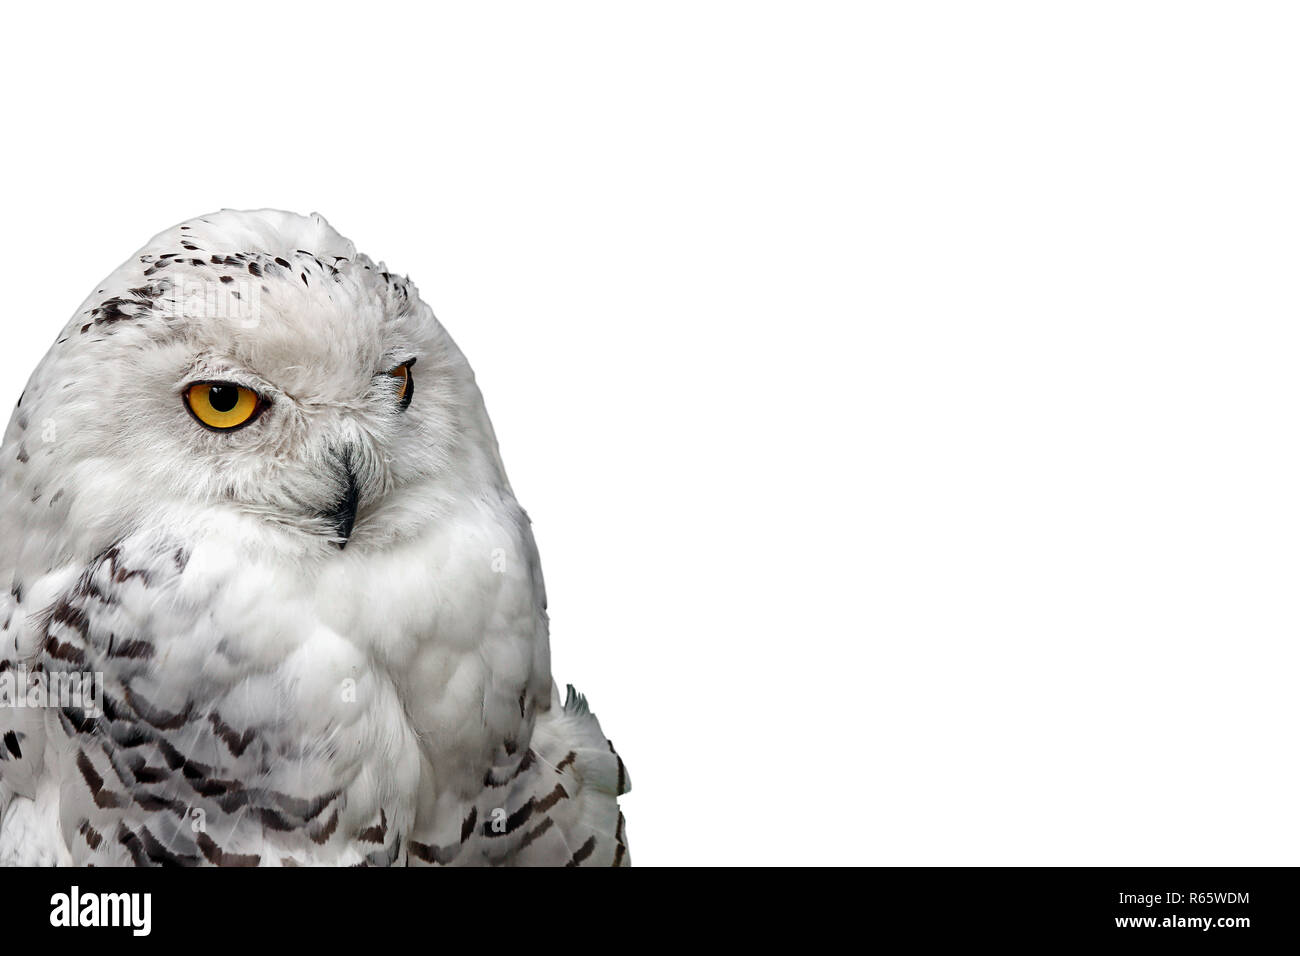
pixel 403 374
pixel 222 406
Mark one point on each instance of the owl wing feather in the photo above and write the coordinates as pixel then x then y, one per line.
pixel 22 751
pixel 556 804
pixel 151 773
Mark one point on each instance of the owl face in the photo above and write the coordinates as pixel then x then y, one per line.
pixel 252 366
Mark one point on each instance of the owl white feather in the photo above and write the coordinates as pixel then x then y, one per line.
pixel 253 495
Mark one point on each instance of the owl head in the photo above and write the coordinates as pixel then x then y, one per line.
pixel 247 367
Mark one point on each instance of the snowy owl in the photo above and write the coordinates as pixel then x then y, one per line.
pixel 268 598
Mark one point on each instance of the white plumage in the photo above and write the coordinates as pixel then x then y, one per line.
pixel 321 634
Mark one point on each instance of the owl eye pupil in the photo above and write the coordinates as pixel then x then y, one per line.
pixel 223 398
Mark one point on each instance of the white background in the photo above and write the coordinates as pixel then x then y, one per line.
pixel 905 395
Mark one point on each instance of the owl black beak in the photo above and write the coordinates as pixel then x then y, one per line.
pixel 343 515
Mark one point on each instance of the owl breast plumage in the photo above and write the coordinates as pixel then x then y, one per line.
pixel 269 598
